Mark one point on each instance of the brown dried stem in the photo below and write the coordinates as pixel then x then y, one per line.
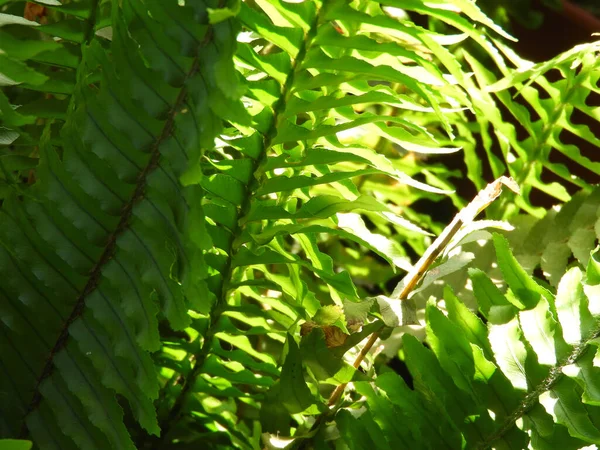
pixel 465 216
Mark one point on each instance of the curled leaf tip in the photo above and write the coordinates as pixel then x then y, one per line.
pixel 510 183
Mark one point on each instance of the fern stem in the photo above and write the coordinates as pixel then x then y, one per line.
pixel 464 217
pixel 221 303
pixel 339 390
pixel 532 398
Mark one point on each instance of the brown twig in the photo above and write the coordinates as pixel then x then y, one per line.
pixel 465 216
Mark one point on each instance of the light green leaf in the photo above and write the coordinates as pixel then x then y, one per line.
pixel 358 311
pixel 554 260
pixel 472 326
pixel 217 15
pixel 539 328
pixel 446 268
pixel 329 315
pixel 526 290
pixel 384 246
pixel 591 285
pixel 571 307
pixel 288 39
pixel 593 268
pixel 395 312
pixel 580 243
pixel 321 207
pixel 492 303
pixel 322 361
pixel 15 72
pixel 8 136
pixel 564 403
pixel 510 353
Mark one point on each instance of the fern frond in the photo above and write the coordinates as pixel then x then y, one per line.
pixel 523 373
pixel 41 62
pixel 528 92
pixel 546 247
pixel 560 237
pixel 216 188
pixel 102 243
pixel 311 75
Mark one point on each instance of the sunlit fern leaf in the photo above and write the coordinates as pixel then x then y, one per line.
pixel 525 374
pixel 273 187
pixel 560 237
pixel 555 103
pixel 545 248
pixel 545 108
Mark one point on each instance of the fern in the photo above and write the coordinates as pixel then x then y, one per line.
pixel 40 65
pixel 195 221
pixel 300 102
pixel 529 159
pixel 546 247
pixel 102 242
pixel 559 238
pixel 522 374
pixel 531 115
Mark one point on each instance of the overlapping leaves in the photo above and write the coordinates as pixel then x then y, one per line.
pixel 553 110
pixel 102 247
pixel 41 59
pixel 560 237
pixel 283 176
pixel 522 373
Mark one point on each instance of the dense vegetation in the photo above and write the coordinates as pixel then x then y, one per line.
pixel 212 211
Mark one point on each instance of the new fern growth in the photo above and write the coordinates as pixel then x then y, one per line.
pixel 205 205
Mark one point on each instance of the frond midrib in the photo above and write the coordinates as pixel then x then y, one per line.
pixel 221 303
pixel 532 398
pixel 123 225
